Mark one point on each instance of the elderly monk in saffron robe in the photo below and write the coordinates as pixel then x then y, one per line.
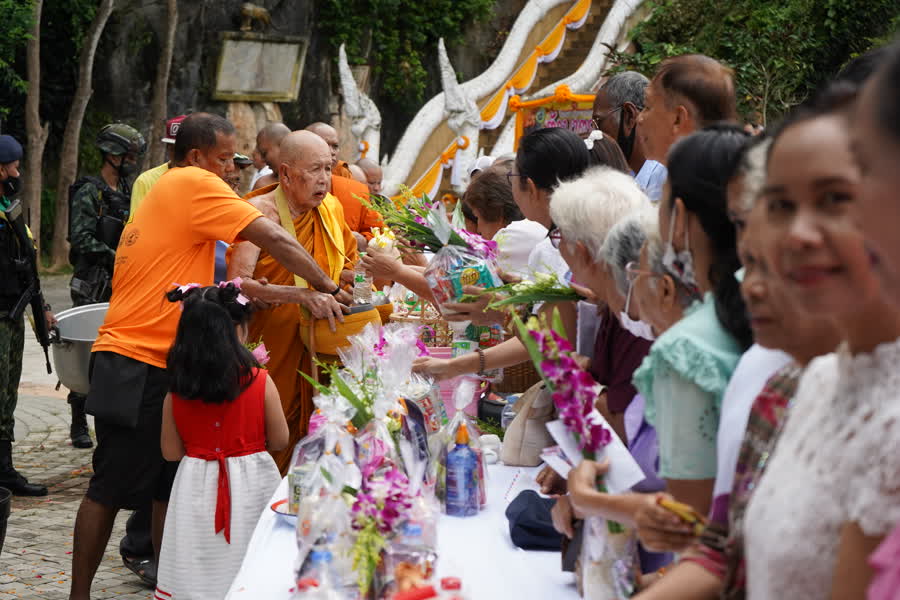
pixel 360 218
pixel 301 198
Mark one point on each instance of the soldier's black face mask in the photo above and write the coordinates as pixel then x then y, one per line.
pixel 11 186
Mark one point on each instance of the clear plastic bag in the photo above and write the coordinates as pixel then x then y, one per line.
pixel 323 465
pixel 454 267
pixel 445 440
pixel 609 560
pixel 329 448
pixel 425 394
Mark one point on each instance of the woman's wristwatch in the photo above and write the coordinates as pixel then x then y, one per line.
pixel 481 363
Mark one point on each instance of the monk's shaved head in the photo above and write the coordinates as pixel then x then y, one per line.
pixel 357 173
pixel 268 140
pixel 321 129
pixel 298 145
pixel 305 172
pixel 273 132
pixel 373 174
pixel 330 135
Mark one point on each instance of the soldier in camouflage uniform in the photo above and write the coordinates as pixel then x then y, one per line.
pixel 97 214
pixel 17 276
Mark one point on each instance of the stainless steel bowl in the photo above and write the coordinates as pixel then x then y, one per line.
pixel 72 342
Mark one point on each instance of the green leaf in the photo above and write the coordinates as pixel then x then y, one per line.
pixel 318 386
pixel 557 324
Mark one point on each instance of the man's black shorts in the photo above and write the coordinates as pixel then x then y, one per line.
pixel 129 469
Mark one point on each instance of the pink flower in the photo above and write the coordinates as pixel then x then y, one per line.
pixel 379 347
pixel 260 354
pixel 384 500
pixel 315 421
pixel 485 248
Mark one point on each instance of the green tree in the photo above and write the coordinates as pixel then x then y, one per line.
pixel 395 37
pixel 18 18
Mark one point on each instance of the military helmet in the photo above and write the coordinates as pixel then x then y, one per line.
pixel 119 138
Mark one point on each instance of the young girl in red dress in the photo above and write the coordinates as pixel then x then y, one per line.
pixel 220 418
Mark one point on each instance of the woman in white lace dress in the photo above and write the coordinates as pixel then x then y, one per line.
pixel 835 471
pixel 876 145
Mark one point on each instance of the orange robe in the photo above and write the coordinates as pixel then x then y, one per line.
pixel 279 327
pixel 359 218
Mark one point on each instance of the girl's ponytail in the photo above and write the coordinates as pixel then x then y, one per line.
pixel 207 361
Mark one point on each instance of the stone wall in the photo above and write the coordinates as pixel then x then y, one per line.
pixel 123 79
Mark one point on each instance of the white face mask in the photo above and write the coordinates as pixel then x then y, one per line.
pixel 636 328
pixel 680 264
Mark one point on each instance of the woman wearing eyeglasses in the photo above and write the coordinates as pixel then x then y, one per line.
pixel 545 158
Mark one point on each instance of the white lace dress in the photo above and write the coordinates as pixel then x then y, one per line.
pixel 837 461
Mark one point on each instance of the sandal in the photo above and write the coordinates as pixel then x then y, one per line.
pixel 144 568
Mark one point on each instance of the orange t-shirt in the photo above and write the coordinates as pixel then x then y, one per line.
pixel 172 240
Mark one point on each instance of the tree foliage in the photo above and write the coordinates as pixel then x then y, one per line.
pixel 395 36
pixel 781 50
pixel 17 20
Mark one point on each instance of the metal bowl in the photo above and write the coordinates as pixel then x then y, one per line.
pixel 72 340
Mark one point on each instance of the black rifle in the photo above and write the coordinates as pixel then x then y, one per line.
pixel 32 294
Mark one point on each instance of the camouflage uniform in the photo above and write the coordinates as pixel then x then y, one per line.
pixel 12 346
pixel 92 260
pixel 12 331
pixel 18 285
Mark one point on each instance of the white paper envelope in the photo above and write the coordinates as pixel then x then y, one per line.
pixel 557 463
pixel 624 472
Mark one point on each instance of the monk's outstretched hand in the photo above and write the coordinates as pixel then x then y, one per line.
pixel 324 306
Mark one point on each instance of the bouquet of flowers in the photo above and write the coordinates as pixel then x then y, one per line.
pixel 364 463
pixel 421 225
pixel 545 287
pixel 609 559
pixel 259 352
pixel 381 505
pixel 574 389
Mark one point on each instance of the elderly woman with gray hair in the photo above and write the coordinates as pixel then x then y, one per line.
pixel 586 225
pixel 622 343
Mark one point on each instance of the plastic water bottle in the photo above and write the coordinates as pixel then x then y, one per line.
pixel 318 580
pixel 362 283
pixel 509 412
pixel 462 477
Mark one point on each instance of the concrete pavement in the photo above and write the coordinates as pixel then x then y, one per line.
pixel 37 555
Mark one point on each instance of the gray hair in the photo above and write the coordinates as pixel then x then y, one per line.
pixel 655 251
pixel 586 208
pixel 753 169
pixel 627 86
pixel 623 245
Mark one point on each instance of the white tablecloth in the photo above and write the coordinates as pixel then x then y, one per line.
pixel 476 549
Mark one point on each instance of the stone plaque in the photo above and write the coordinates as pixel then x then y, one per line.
pixel 256 67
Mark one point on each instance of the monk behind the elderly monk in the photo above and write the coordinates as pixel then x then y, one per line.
pixel 317 220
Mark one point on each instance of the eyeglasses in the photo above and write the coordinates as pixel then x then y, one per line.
pixel 595 121
pixel 510 175
pixel 633 271
pixel 555 236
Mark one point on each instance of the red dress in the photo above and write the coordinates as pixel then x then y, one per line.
pixel 223 483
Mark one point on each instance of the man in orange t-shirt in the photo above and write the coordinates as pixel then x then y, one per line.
pixel 360 218
pixel 171 240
